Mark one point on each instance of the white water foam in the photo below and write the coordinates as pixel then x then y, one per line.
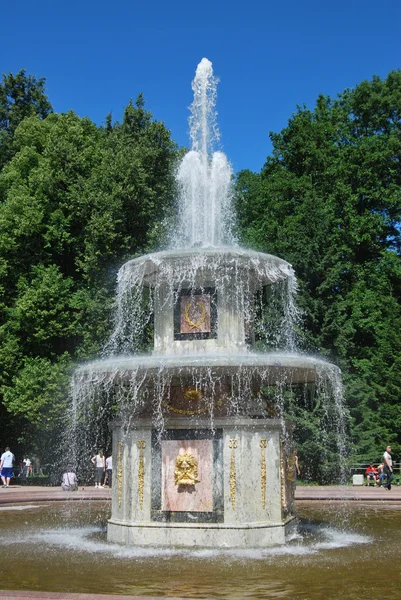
pixel 81 539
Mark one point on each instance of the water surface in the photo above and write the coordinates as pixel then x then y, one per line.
pixel 340 551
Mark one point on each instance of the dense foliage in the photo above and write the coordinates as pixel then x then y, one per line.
pixel 329 201
pixel 76 200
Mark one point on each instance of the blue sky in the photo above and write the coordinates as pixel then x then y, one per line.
pixel 269 56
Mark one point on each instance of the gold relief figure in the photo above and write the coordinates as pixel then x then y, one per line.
pixel 232 444
pixel 186 470
pixel 198 311
pixel 141 471
pixel 290 470
pixel 263 446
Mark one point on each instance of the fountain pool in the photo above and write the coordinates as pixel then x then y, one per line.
pixel 352 550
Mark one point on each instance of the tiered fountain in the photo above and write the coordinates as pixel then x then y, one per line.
pixel 200 456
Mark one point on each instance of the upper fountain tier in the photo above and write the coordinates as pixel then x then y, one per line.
pixel 202 299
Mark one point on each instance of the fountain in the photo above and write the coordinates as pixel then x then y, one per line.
pixel 202 454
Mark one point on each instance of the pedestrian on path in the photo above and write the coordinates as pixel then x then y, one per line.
pixel 100 465
pixel 388 468
pixel 109 471
pixel 6 467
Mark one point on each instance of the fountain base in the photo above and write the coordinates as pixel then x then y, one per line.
pixel 202 534
pixel 230 485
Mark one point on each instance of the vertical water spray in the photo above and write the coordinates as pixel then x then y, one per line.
pixel 204 176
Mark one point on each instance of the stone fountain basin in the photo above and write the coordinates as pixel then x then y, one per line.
pixel 272 367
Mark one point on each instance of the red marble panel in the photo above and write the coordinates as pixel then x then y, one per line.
pixel 198 497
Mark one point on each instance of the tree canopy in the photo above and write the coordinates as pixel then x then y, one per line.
pixel 76 200
pixel 328 200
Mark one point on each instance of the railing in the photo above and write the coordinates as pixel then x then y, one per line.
pixel 360 468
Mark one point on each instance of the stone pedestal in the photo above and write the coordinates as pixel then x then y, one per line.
pixel 230 486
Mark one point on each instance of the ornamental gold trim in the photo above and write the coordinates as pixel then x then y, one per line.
pixel 120 448
pixel 141 472
pixel 282 476
pixel 195 324
pixel 263 446
pixel 191 413
pixel 233 444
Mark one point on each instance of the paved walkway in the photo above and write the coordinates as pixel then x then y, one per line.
pixel 16 595
pixel 33 493
pixel 347 492
pixel 27 493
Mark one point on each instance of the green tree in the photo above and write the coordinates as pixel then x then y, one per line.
pixel 328 200
pixel 77 200
pixel 21 96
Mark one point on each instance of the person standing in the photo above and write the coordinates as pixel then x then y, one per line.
pixel 109 471
pixel 100 465
pixel 6 467
pixel 388 467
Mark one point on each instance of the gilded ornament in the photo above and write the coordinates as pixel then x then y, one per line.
pixel 263 446
pixel 290 470
pixel 120 472
pixel 233 444
pixel 191 305
pixel 186 470
pixel 198 411
pixel 141 472
pixel 192 394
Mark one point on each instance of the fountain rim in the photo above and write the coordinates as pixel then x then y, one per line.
pixel 224 254
pixel 153 363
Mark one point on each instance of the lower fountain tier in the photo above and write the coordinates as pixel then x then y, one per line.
pixel 270 368
pixel 189 485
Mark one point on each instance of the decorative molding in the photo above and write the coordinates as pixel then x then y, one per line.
pixel 233 444
pixel 141 472
pixel 120 449
pixel 263 446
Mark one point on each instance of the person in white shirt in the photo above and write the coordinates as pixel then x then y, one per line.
pixel 388 468
pixel 69 481
pixel 109 471
pixel 6 467
pixel 100 464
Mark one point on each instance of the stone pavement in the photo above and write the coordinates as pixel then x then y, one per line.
pixel 347 492
pixel 33 493
pixel 15 595
pixel 27 493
